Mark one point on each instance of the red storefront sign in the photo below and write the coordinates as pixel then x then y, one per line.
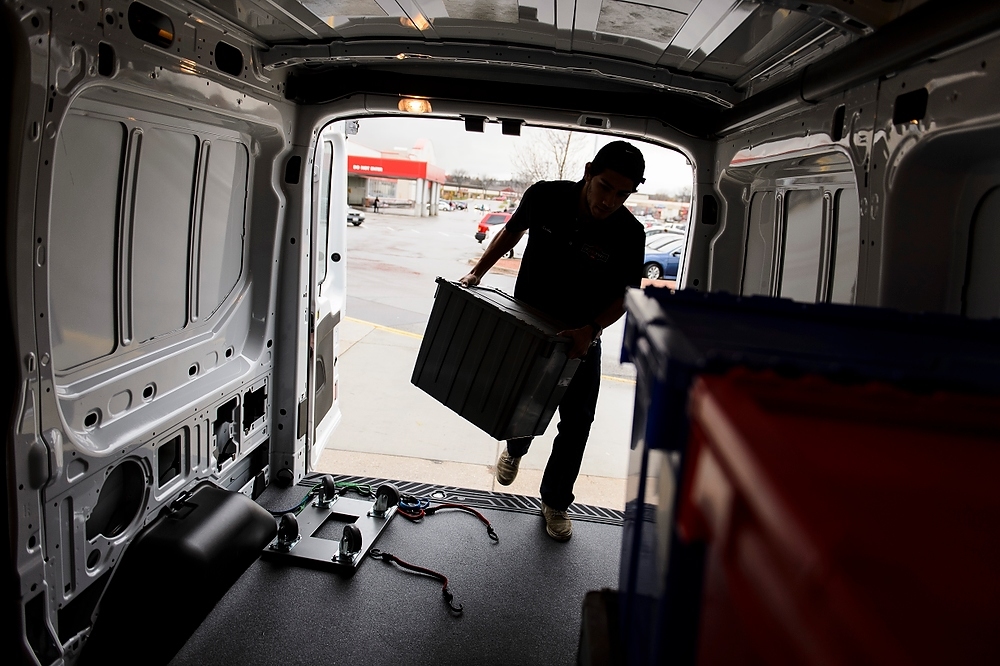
pixel 392 168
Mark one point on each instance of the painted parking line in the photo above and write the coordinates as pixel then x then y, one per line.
pixel 387 329
pixel 417 336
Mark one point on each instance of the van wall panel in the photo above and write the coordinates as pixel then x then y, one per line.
pixel 82 246
pixel 323 219
pixel 160 232
pixel 222 232
pixel 982 293
pixel 760 245
pixel 845 266
pixel 803 244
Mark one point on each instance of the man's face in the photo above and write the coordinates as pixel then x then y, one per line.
pixel 606 192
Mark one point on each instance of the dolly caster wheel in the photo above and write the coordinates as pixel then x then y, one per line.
pixel 327 492
pixel 386 497
pixel 288 532
pixel 350 543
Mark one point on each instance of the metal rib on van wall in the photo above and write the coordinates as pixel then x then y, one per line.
pixel 928 30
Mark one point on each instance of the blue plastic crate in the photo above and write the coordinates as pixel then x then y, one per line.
pixel 674 337
pixel 671 337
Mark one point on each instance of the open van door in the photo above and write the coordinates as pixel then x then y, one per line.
pixel 328 288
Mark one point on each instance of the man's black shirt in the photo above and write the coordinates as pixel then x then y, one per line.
pixel 574 268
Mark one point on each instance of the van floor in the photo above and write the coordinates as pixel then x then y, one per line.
pixel 522 596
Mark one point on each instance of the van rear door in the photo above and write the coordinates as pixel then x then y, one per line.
pixel 329 287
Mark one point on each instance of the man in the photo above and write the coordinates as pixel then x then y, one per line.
pixel 375 205
pixel 583 251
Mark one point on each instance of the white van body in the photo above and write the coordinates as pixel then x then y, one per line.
pixel 176 203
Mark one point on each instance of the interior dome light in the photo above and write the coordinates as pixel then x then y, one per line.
pixel 414 105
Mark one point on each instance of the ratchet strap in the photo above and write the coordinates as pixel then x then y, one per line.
pixel 389 558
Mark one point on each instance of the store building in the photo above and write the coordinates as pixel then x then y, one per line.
pixel 403 180
pixel 642 205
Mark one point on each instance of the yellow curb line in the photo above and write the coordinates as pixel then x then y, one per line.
pixel 417 336
pixel 623 380
pixel 397 331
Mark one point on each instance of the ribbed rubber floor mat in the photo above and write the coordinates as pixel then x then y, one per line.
pixel 485 499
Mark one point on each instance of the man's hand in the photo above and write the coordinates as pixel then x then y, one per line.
pixel 581 338
pixel 499 246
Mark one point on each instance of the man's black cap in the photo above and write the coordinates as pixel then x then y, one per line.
pixel 623 157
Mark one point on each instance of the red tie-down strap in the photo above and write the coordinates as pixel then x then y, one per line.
pixel 389 558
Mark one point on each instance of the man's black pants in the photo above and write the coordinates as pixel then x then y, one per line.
pixel 576 414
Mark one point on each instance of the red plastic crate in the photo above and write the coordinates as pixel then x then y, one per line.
pixel 845 524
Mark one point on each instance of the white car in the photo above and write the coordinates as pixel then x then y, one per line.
pixel 355 216
pixel 516 251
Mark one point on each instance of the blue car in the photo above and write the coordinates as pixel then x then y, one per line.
pixel 663 257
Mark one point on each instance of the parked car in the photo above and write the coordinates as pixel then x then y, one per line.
pixel 490 226
pixel 460 205
pixel 516 251
pixel 661 229
pixel 663 257
pixel 490 220
pixel 446 205
pixel 355 216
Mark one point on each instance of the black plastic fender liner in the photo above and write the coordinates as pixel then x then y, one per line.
pixel 174 573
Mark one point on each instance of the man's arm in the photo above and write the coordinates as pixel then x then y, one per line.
pixel 583 336
pixel 503 243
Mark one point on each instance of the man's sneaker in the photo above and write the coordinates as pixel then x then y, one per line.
pixel 507 468
pixel 557 524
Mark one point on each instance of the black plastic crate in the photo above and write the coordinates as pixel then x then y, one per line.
pixel 493 360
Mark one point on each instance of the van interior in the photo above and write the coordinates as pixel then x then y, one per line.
pixel 174 290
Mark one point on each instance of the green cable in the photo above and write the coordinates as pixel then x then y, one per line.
pixel 360 488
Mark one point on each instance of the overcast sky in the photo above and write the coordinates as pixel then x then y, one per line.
pixel 491 153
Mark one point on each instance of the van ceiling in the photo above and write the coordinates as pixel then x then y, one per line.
pixel 712 54
pixel 741 42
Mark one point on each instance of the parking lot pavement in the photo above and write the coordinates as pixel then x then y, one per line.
pixel 391 429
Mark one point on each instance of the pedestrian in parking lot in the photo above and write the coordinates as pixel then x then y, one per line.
pixel 584 249
pixel 375 205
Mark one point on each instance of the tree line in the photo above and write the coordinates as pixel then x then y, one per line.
pixel 550 155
